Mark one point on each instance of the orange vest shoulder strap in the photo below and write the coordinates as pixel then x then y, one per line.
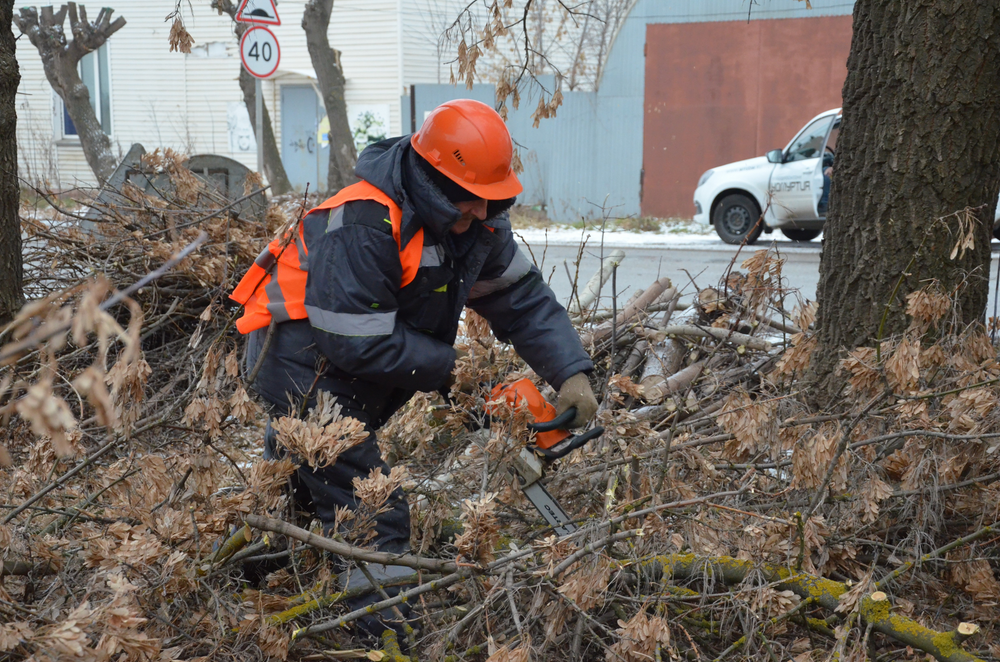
pixel 409 256
pixel 360 191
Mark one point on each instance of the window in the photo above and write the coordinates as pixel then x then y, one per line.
pixel 809 143
pixel 831 142
pixel 96 76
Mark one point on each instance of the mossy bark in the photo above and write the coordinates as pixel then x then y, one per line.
pixel 944 646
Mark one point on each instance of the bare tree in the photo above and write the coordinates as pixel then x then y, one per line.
pixel 435 16
pixel 274 169
pixel 519 41
pixel 601 23
pixel 11 294
pixel 330 78
pixel 60 60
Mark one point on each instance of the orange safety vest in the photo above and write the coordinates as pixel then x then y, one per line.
pixel 275 285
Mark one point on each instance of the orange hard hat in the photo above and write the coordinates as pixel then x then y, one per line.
pixel 468 142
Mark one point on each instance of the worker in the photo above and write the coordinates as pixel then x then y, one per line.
pixel 364 298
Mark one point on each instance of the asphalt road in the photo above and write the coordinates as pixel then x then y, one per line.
pixel 687 265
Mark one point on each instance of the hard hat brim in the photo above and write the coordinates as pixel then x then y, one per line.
pixel 502 190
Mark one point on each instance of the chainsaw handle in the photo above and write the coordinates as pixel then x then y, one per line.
pixel 560 422
pixel 574 443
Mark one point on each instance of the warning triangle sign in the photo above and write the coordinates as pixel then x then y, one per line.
pixel 260 12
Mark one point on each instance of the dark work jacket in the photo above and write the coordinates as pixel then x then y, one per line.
pixel 377 343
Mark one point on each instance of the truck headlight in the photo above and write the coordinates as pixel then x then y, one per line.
pixel 705 177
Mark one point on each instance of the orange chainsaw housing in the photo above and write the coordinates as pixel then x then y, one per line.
pixel 524 393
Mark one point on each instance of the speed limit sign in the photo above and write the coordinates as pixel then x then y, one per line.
pixel 259 51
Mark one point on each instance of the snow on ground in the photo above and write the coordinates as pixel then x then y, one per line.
pixel 569 236
pixel 674 233
pixel 686 234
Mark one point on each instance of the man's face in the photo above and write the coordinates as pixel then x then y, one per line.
pixel 471 211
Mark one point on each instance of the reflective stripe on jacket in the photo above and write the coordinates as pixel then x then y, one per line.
pixel 379 322
pixel 280 295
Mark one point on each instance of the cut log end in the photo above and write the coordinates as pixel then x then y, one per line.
pixel 965 630
pixel 879 596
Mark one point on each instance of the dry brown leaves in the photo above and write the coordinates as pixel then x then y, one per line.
pixel 179 39
pixel 763 278
pixel 478 540
pixel 48 415
pixel 507 653
pixel 812 455
pixel 160 503
pixel 902 368
pixel 323 435
pixel 976 577
pixel 587 587
pixel 639 638
pixel 752 423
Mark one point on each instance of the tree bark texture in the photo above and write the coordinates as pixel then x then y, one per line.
pixel 11 293
pixel 274 169
pixel 920 140
pixel 61 59
pixel 330 78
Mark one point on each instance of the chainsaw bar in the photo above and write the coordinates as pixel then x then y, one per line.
pixel 549 508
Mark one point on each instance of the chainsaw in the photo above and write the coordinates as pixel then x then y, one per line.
pixel 552 441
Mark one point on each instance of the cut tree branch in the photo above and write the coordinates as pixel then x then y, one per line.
pixel 265 523
pixel 875 608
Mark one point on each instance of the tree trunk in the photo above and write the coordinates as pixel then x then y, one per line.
pixel 75 95
pixel 274 169
pixel 60 61
pixel 920 140
pixel 330 78
pixel 11 295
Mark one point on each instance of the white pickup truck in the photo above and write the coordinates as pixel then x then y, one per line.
pixel 787 185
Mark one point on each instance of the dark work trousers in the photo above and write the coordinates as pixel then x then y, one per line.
pixel 824 200
pixel 321 491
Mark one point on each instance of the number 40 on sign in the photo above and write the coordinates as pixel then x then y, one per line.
pixel 259 51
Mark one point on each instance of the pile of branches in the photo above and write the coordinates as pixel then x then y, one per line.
pixel 722 514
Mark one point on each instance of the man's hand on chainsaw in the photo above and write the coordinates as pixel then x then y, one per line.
pixel 576 392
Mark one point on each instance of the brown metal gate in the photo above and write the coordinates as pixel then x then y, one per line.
pixel 725 91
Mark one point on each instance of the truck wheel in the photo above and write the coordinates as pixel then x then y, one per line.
pixel 996 232
pixel 800 235
pixel 736 218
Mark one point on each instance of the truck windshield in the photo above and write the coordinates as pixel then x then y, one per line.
pixel 809 143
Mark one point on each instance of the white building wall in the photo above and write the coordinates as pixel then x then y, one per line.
pixel 366 34
pixel 37 153
pixel 158 98
pixel 428 53
pixel 163 99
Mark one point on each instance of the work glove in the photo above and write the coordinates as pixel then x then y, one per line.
pixel 576 392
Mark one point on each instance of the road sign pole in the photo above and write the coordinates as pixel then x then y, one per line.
pixel 258 103
pixel 260 55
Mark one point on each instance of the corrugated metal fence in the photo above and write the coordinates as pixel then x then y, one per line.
pixel 589 160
